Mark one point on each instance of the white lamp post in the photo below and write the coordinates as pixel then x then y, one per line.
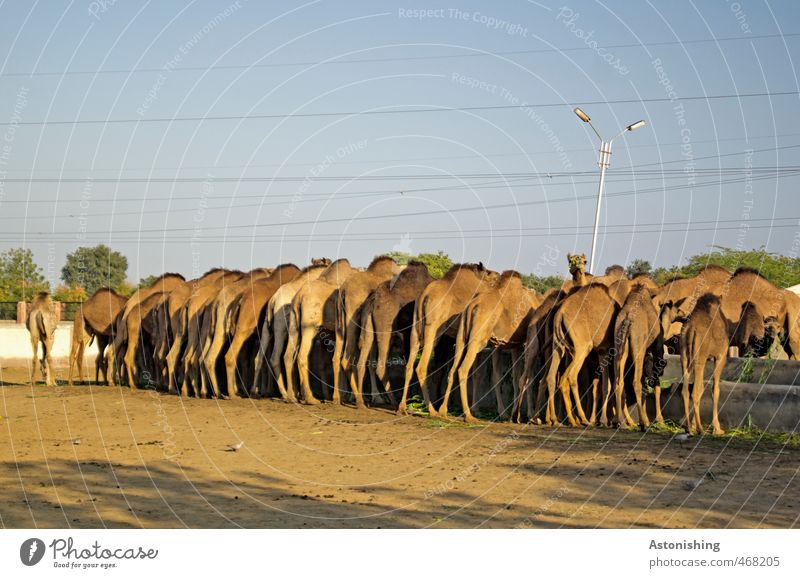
pixel 605 160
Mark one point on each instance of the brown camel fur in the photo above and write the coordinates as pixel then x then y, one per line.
pixel 313 312
pixel 219 322
pixel 275 330
pixel 577 268
pixel 705 336
pixel 387 314
pixel 41 323
pixel 436 313
pixel 177 322
pixel 94 319
pixel 498 316
pixel 538 346
pixel 193 378
pixel 164 283
pixel 250 316
pixel 584 323
pixel 637 331
pixel 137 328
pixel 645 280
pixel 676 299
pixel 754 334
pixel 749 285
pixel 351 297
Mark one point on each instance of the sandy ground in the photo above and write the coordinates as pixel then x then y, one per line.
pixel 90 456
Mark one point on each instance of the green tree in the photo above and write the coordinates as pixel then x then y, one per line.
pixel 20 277
pixel 542 284
pixel 638 266
pixel 781 270
pixel 437 263
pixel 95 267
pixel 147 281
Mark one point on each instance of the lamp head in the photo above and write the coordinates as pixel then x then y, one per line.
pixel 581 115
pixel 637 124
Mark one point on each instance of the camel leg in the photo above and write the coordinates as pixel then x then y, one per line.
pixel 595 389
pixel 619 379
pixel 290 360
pixel 550 381
pixel 338 350
pixel 172 362
pixel 365 348
pixel 697 394
pixel 458 358
pixel 638 365
pixel 422 373
pixel 279 341
pixel 48 361
pixel 475 381
pixel 306 341
pixel 605 377
pixel 719 365
pixel 497 382
pixel 211 356
pixel 35 362
pixel 515 373
pixel 412 356
pixel 231 357
pixel 130 354
pixel 260 376
pixel 463 372
pixel 685 395
pixel 574 387
pixel 73 357
pixel 524 388
pixel 659 417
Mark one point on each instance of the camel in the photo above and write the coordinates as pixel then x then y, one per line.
pixel 41 323
pixel 577 268
pixel 498 316
pixel 195 308
pixel 275 330
pixel 584 323
pixel 538 344
pixel 164 283
pixel 637 332
pixel 388 313
pixel 754 333
pixel 704 336
pixel 436 314
pixel 249 314
pixel 94 319
pixel 219 321
pixel 175 322
pixel 748 285
pixel 313 311
pixel 351 297
pixel 645 280
pixel 137 327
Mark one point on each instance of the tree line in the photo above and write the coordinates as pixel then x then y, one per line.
pixel 88 268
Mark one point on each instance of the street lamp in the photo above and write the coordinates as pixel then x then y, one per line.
pixel 605 160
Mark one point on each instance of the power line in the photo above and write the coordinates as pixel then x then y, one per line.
pixel 394 111
pixel 387 59
pixel 395 161
pixel 436 211
pixel 313 239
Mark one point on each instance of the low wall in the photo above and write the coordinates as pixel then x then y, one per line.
pixel 15 346
pixel 764 392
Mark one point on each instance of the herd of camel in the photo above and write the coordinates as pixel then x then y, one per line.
pixel 228 334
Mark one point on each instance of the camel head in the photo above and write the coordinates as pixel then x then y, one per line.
pixel 323 261
pixel 576 263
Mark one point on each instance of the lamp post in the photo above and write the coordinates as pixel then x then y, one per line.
pixel 605 160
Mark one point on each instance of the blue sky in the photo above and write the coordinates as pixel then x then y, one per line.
pixel 513 187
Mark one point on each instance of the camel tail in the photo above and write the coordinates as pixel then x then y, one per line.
pixel 231 316
pixel 560 332
pixel 622 335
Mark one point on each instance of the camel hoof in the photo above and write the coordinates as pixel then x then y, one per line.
pixel 719 432
pixel 471 419
pixel 311 401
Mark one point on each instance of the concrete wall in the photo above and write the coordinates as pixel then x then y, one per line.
pixel 15 346
pixel 765 392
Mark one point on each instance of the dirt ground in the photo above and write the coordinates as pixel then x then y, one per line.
pixel 93 456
